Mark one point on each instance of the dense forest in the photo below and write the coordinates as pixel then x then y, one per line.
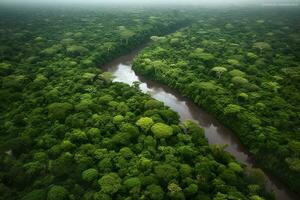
pixel 243 68
pixel 69 132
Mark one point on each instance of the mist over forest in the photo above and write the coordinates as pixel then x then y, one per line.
pixel 281 3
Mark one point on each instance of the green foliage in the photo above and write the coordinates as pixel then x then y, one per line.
pixel 35 195
pixel 219 71
pixel 161 130
pixel 110 183
pixel 206 56
pixel 145 123
pixel 132 182
pixel 152 104
pixel 261 45
pixel 59 111
pixel 257 98
pixel 126 34
pixel 57 192
pixel 191 189
pixel 239 81
pixel 75 50
pixel 232 109
pixel 293 163
pixel 235 167
pixel 118 119
pixel 89 175
pixel 237 73
pixel 5 69
pixel 155 192
pixel 166 172
pixel 66 126
pixel 175 191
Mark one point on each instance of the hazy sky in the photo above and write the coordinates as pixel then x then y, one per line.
pixel 205 2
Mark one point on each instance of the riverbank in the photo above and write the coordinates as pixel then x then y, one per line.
pixel 215 132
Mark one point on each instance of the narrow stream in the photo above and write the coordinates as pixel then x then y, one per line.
pixel 215 132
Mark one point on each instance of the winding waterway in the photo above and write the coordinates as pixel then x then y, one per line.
pixel 215 132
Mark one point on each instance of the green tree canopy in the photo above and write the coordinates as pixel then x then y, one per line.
pixel 145 123
pixel 161 130
pixel 110 183
pixel 219 71
pixel 89 174
pixel 57 192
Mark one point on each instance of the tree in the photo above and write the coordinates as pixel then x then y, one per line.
pixel 271 85
pixel 256 176
pixel 232 109
pixel 236 72
pixel 122 138
pixel 89 175
pixel 36 194
pixel 57 192
pixel 109 45
pixel 166 172
pixel 174 41
pixel 105 165
pixel 105 99
pixel 88 76
pixel 145 123
pixel 157 38
pixel 67 41
pixel 243 96
pixel 175 191
pixel 51 50
pixel 93 132
pixel 15 82
pixel 206 57
pixel 33 168
pixel 219 71
pixel 261 46
pixel 39 82
pixel 132 182
pixel 293 164
pixel 185 170
pixel 59 111
pixel 207 87
pixel 118 119
pixel 161 130
pixel 126 34
pixel 239 81
pixel 5 69
pixel 256 197
pixel 101 196
pixel 233 62
pixel 106 76
pixel 62 165
pixel 229 176
pixel 252 56
pixel 235 167
pixel 186 151
pixel 152 104
pixel 84 105
pixel 154 192
pixel 110 183
pixel 191 189
pixel 78 136
pixel 75 50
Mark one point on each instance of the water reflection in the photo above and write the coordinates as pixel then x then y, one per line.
pixel 215 132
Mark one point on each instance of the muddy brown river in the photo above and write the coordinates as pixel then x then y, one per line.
pixel 215 132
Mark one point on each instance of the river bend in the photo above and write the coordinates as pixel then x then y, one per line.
pixel 215 132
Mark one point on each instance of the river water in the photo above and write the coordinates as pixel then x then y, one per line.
pixel 215 132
